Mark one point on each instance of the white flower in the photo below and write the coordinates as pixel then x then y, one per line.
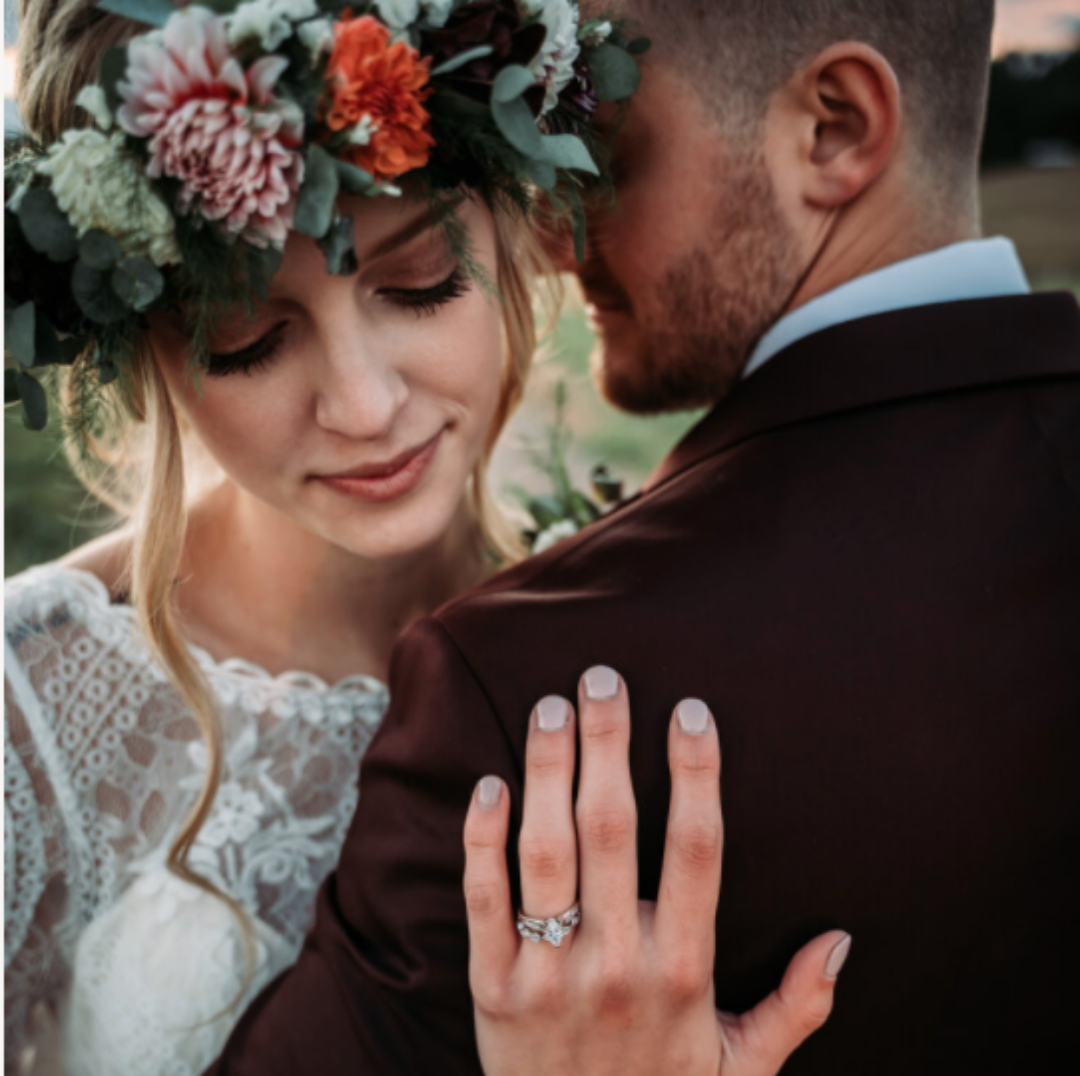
pixel 270 21
pixel 565 528
pixel 317 36
pixel 92 99
pixel 99 186
pixel 360 133
pixel 553 66
pixel 401 14
pixel 598 34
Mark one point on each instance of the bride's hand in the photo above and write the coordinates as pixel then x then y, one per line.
pixel 630 990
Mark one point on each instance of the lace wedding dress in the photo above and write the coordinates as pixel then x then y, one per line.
pixel 102 764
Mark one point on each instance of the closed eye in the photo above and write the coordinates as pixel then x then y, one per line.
pixel 249 359
pixel 426 301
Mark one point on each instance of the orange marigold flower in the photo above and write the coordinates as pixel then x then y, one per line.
pixel 377 90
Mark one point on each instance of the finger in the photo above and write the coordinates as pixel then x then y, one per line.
pixel 690 881
pixel 547 846
pixel 763 1039
pixel 493 940
pixel 606 813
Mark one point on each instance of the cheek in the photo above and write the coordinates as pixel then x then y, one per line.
pixel 250 425
pixel 462 362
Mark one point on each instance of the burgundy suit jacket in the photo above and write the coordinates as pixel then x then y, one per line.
pixel 867 561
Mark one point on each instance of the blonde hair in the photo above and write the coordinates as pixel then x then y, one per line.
pixel 134 460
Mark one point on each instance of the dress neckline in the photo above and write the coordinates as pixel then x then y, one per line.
pixel 234 668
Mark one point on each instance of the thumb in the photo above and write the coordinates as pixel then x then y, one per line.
pixel 761 1041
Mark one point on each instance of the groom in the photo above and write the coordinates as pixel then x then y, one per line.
pixel 866 559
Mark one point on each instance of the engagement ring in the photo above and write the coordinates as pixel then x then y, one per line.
pixel 550 930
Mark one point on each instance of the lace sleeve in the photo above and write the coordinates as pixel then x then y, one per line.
pixel 45 845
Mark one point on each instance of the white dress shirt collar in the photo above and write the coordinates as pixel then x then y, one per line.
pixel 977 269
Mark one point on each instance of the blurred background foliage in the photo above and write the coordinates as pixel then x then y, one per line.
pixel 1030 192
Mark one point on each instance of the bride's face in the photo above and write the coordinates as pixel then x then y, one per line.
pixel 355 406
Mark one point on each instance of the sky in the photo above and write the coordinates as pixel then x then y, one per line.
pixel 1033 25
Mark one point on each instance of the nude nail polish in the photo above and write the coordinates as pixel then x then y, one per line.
pixel 601 683
pixel 490 793
pixel 551 714
pixel 838 957
pixel 693 716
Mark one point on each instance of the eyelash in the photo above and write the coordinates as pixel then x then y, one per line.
pixel 424 302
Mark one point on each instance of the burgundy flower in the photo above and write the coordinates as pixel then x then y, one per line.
pixel 486 22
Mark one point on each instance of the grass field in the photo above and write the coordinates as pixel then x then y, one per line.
pixel 46 514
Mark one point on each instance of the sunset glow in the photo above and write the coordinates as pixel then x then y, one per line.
pixel 1036 25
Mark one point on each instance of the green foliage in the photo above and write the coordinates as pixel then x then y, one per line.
pixel 45 226
pixel 615 73
pixel 98 250
pixel 318 195
pixel 150 12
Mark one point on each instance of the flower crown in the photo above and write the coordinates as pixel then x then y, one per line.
pixel 227 125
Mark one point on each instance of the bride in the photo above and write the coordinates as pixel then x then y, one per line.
pixel 299 454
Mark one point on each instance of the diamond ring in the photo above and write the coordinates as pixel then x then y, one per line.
pixel 550 930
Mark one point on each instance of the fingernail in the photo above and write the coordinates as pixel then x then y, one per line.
pixel 551 714
pixel 693 716
pixel 601 683
pixel 838 957
pixel 490 793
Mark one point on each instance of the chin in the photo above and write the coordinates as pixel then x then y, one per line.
pixel 403 531
pixel 620 371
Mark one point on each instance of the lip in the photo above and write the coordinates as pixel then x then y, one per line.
pixel 378 482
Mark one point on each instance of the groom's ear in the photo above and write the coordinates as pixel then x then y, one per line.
pixel 837 123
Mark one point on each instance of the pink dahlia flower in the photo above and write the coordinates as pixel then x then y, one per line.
pixel 214 126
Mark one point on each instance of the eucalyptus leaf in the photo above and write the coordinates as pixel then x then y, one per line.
pixel 263 263
pixel 461 59
pixel 99 250
pixel 639 46
pixel 151 12
pixel 95 297
pixel 315 203
pixel 518 126
pixel 542 175
pixel 337 246
pixel 615 72
pixel 137 281
pixel 11 387
pixel 107 372
pixel 511 83
pixel 19 334
pixel 46 227
pixel 35 404
pixel 353 180
pixel 567 151
pixel 546 510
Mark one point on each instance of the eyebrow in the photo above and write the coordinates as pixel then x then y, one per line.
pixel 424 222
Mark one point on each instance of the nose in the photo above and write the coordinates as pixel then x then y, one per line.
pixel 359 394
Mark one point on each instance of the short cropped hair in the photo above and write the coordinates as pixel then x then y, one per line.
pixel 743 50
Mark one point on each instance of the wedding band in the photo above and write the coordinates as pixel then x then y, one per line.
pixel 550 930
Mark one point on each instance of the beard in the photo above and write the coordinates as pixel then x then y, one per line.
pixel 696 331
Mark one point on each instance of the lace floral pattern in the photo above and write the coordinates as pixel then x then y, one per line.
pixel 102 763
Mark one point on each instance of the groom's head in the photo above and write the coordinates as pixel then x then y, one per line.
pixel 775 146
